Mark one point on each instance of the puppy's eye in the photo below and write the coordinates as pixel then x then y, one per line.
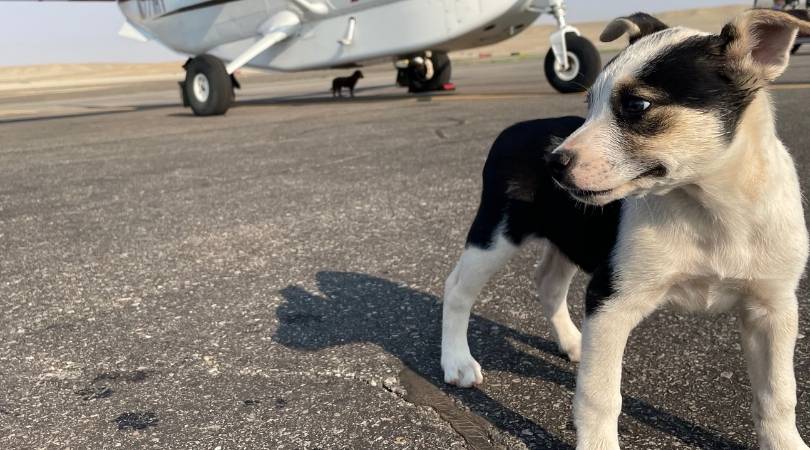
pixel 634 105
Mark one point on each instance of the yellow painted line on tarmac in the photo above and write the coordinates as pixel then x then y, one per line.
pixel 6 94
pixel 476 97
pixel 521 95
pixel 790 86
pixel 17 112
pixel 60 113
pixel 480 97
pixel 512 96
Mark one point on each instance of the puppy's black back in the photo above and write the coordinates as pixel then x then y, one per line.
pixel 520 195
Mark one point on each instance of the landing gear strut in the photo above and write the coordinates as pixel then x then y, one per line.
pixel 208 88
pixel 209 83
pixel 426 72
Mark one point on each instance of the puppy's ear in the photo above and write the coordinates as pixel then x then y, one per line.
pixel 759 41
pixel 636 26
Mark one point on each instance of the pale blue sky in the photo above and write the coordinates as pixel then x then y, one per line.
pixel 56 32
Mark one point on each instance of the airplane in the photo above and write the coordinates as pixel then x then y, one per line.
pixel 222 36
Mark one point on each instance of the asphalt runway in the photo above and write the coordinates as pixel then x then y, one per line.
pixel 271 279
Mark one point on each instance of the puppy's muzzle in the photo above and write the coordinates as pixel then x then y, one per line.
pixel 559 163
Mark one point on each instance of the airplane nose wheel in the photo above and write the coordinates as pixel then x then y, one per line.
pixel 584 64
pixel 208 88
pixel 201 87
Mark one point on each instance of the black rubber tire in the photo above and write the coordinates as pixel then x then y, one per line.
pixel 589 65
pixel 220 84
pixel 442 71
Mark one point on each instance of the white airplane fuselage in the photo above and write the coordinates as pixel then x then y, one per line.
pixel 382 28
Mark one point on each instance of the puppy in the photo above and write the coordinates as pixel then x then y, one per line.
pixel 345 82
pixel 698 206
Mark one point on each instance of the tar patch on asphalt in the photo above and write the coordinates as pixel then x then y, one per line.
pixel 422 392
pixel 131 376
pixel 94 392
pixel 136 420
pixel 99 386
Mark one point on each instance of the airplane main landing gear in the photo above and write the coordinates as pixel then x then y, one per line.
pixel 208 88
pixel 428 72
pixel 209 83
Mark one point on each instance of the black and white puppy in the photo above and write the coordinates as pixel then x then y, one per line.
pixel 699 207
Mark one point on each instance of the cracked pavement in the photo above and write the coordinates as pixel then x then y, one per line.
pixel 271 278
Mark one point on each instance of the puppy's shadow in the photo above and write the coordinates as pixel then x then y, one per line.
pixel 358 308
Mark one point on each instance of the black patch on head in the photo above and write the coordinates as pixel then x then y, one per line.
pixel 729 34
pixel 647 24
pixel 649 123
pixel 696 74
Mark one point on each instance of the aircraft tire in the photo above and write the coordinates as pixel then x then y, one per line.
pixel 208 87
pixel 584 66
pixel 442 70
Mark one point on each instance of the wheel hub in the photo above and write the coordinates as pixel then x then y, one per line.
pixel 571 72
pixel 201 87
pixel 422 69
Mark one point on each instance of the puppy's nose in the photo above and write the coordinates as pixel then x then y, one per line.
pixel 558 162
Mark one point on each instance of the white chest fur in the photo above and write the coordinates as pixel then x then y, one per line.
pixel 703 256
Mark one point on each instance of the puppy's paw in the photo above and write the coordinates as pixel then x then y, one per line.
pixel 776 436
pixel 777 444
pixel 571 345
pixel 607 443
pixel 461 369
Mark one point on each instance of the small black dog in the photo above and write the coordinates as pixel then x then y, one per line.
pixel 345 82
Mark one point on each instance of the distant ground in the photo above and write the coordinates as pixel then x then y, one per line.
pixel 535 39
pixel 15 81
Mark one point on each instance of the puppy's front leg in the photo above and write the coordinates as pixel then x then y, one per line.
pixel 769 331
pixel 605 331
pixel 475 267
